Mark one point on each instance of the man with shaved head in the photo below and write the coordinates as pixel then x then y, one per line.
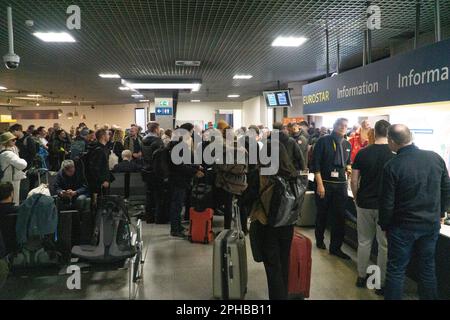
pixel 414 195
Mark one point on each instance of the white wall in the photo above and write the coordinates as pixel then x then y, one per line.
pixel 189 111
pixel 254 112
pixel 251 112
pixel 121 115
pixel 124 115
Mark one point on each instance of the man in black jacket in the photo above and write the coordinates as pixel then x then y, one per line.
pixel 414 195
pixel 331 165
pixel 7 220
pixel 155 185
pixel 293 148
pixel 97 167
pixel 180 178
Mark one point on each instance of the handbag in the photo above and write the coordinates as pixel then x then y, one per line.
pixel 113 159
pixel 286 201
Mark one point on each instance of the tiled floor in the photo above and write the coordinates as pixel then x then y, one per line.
pixel 177 269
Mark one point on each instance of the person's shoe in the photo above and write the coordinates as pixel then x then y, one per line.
pixel 178 234
pixel 321 245
pixel 340 254
pixel 379 292
pixel 361 282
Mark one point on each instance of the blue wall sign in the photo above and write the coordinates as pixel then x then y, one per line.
pixel 419 76
pixel 164 111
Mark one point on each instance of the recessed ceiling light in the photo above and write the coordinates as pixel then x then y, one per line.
pixel 187 63
pixel 144 100
pixel 66 102
pixel 195 101
pixel 109 76
pixel 137 96
pixel 54 36
pixel 233 96
pixel 242 76
pixel 289 41
pixel 194 86
pixel 124 89
pixel 34 95
pixel 3 88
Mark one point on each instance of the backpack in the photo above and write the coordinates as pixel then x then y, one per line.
pixel 2 170
pixel 36 227
pixel 112 234
pixel 77 148
pixel 161 162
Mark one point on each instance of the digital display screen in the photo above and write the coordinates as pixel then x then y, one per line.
pixel 278 99
pixel 272 100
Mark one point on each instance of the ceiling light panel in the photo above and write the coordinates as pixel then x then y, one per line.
pixel 54 36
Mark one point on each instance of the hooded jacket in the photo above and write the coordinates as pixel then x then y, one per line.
pixel 97 166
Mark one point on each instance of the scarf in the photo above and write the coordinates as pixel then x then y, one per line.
pixel 339 161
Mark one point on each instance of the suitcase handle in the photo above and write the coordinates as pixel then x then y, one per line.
pixel 237 215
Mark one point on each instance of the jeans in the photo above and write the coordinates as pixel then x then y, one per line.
pixel 276 252
pixel 176 206
pixel 402 243
pixel 368 228
pixel 332 206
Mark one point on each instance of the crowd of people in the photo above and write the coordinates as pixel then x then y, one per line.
pixel 401 192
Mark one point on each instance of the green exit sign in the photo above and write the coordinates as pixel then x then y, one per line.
pixel 164 103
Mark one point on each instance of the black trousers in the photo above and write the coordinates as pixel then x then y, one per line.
pixel 225 199
pixel 332 209
pixel 276 252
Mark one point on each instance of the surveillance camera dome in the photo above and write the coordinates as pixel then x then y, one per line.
pixel 11 61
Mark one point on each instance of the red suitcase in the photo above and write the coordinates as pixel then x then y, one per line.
pixel 300 266
pixel 200 229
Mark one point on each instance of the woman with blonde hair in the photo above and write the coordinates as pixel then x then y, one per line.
pixel 11 164
pixel 117 143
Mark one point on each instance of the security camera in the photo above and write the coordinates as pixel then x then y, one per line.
pixel 11 61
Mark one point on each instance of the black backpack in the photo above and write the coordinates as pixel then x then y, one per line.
pixel 161 162
pixel 2 170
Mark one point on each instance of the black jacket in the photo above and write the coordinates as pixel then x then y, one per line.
pixel 64 182
pixel 181 175
pixel 415 190
pixel 149 146
pixel 127 166
pixel 27 149
pixel 7 228
pixel 97 167
pixel 293 150
pixel 323 159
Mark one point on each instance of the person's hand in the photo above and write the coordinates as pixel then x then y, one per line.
pixel 73 194
pixel 199 174
pixel 105 184
pixel 442 220
pixel 321 191
pixel 349 171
